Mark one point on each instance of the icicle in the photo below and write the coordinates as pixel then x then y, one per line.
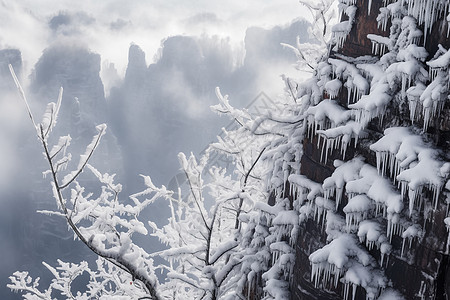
pixel 318 140
pixel 322 149
pixel 448 25
pixel 422 290
pixel 378 207
pixel 403 247
pixel 327 275
pixel 393 166
pixel 337 275
pixel 328 193
pixel 412 110
pixel 348 221
pixel 339 192
pixel 344 145
pixel 436 191
pixel 447 224
pixel 346 290
pixel 349 93
pixel 412 194
pixel 403 188
pixel 393 227
pixel 310 126
pixel 378 156
pixel 385 157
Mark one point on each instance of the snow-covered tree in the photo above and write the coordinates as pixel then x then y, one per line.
pixel 101 221
pixel 203 239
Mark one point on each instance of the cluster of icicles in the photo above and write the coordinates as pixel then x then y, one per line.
pixel 425 101
pixel 426 12
pixel 374 211
pixel 371 86
pixel 371 198
pixel 280 255
pixel 410 176
pixel 341 30
pixel 416 166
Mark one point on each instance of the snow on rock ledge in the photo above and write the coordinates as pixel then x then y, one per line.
pixel 413 163
pixel 344 257
pixel 342 29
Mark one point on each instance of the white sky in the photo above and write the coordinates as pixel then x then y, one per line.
pixel 25 23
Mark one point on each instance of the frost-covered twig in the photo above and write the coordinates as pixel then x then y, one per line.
pixel 107 226
pixel 105 281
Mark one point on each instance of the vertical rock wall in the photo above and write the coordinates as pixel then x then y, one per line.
pixel 418 271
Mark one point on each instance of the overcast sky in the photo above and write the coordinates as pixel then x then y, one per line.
pixel 109 26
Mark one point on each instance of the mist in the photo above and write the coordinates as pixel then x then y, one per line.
pixel 149 72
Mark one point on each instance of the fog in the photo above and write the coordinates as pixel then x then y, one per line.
pixel 33 25
pixel 147 70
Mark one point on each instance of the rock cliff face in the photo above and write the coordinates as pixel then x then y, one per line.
pixel 379 225
pixel 76 70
